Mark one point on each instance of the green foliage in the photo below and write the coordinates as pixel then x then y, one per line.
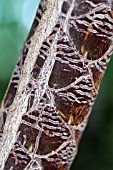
pixel 96 147
pixel 12 37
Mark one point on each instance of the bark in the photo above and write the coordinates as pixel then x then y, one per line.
pixel 55 84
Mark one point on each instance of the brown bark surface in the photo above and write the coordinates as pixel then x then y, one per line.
pixel 55 84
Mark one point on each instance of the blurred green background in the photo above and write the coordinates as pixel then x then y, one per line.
pixel 96 146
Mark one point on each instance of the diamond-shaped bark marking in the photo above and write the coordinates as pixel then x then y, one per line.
pixel 48 144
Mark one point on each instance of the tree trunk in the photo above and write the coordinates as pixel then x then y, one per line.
pixel 55 84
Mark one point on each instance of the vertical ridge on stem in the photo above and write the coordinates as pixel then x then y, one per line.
pixel 55 84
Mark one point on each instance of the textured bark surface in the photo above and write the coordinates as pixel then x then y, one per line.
pixel 55 84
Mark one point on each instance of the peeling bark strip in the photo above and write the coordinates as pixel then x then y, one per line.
pixel 55 84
